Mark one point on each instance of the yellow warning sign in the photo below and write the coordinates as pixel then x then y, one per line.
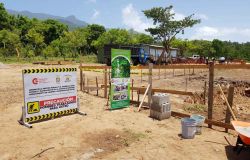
pixel 33 107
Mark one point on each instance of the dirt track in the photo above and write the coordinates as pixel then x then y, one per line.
pixel 119 134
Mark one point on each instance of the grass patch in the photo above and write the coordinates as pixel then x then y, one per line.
pixel 84 59
pixel 195 108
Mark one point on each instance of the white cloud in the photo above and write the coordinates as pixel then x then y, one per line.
pixel 201 16
pixel 177 16
pixel 132 19
pixel 226 33
pixel 95 14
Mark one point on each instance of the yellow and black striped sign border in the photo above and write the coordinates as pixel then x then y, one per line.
pixel 50 115
pixel 49 70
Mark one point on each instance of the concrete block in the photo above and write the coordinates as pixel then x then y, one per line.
pixel 160 116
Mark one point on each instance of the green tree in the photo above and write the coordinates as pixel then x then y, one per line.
pixel 166 27
pixel 53 31
pixel 113 36
pixel 36 40
pixel 218 47
pixel 9 42
pixel 5 18
pixel 94 31
pixel 142 38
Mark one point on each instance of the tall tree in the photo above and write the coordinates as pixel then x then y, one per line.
pixel 94 31
pixel 166 27
pixel 5 18
pixel 113 36
pixel 218 47
pixel 9 42
pixel 54 29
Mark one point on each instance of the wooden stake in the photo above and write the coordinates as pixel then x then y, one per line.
pixel 144 96
pixel 150 83
pixel 230 101
pixel 211 92
pixel 228 105
pixel 87 85
pixel 189 74
pixel 132 93
pixel 105 83
pixel 138 97
pixel 205 92
pixel 81 81
pixel 96 86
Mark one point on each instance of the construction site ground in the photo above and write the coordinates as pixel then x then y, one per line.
pixel 120 134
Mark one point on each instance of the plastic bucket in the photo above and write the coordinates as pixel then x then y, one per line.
pixel 199 121
pixel 188 128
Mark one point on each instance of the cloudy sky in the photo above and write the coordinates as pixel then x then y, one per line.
pixel 221 19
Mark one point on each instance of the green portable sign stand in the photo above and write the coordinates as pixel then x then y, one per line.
pixel 120 78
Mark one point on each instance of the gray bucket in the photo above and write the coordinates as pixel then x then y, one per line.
pixel 199 122
pixel 188 128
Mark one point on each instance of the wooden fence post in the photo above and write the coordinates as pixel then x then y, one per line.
pixel 230 101
pixel 105 83
pixel 96 86
pixel 87 85
pixel 109 74
pixel 132 93
pixel 205 92
pixel 81 81
pixel 150 68
pixel 210 92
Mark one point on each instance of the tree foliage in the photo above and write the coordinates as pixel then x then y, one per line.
pixel 50 38
pixel 165 26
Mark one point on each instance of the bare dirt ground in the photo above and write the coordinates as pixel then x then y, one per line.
pixel 103 134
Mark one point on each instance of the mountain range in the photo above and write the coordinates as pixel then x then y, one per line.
pixel 71 21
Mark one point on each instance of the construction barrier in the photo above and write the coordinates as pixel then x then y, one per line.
pixel 49 93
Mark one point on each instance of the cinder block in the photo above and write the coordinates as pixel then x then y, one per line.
pixel 165 107
pixel 160 116
pixel 160 98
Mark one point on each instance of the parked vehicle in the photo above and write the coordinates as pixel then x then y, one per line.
pixel 140 54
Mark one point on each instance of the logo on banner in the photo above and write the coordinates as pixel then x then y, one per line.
pixel 33 107
pixel 67 78
pixel 36 81
pixel 58 79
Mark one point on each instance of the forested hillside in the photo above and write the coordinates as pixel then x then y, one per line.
pixel 27 38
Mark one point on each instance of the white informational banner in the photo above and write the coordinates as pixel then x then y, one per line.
pixel 49 92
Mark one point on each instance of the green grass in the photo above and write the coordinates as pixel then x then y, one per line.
pixel 84 59
pixel 195 108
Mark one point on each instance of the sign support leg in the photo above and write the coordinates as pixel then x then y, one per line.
pixel 22 119
pixel 78 108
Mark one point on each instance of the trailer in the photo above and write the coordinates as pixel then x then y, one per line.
pixel 140 54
